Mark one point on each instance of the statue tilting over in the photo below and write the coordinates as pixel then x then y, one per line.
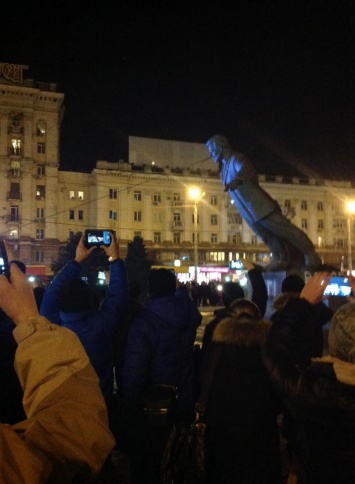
pixel 289 245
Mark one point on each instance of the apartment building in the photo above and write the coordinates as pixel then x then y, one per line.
pixel 146 195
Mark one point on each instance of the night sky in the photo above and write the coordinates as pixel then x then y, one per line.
pixel 277 78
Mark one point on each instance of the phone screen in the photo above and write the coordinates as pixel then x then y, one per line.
pixel 338 286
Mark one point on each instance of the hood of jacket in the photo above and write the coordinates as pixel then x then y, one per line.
pixel 230 331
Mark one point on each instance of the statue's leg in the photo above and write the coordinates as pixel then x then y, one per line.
pixel 281 227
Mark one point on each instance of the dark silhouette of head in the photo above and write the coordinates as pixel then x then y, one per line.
pixel 162 283
pixel 292 283
pixel 230 292
pixel 76 296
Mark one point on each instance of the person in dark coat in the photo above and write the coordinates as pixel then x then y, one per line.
pixel 160 350
pixel 242 435
pixel 232 291
pixel 318 392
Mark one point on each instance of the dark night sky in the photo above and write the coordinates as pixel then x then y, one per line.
pixel 276 77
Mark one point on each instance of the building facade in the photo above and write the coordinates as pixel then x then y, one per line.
pixel 146 195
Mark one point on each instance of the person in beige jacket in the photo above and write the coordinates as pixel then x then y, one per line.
pixel 66 434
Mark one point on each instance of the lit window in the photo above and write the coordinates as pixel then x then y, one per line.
pixel 16 147
pixel 80 195
pixel 71 194
pixel 40 192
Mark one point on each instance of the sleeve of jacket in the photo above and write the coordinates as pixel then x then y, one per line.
pixel 50 301
pixel 67 424
pixel 287 353
pixel 116 299
pixel 259 289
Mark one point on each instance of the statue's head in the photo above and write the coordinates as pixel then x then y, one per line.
pixel 219 140
pixel 216 146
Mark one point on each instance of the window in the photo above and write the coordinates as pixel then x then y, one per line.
pixel 176 238
pixel 39 256
pixel 198 238
pixel 304 223
pixel 71 214
pixel 112 194
pixel 137 196
pixel 198 218
pixel 15 168
pixel 16 147
pixel 320 206
pixel 72 194
pixel 303 205
pixel 40 192
pixel 157 237
pixel 177 218
pixel 176 197
pixel 340 243
pixel 41 128
pixel 41 148
pixel 14 191
pixel 80 195
pixel 41 170
pixel 137 216
pixel 40 213
pixel 337 206
pixel 112 215
pixel 339 223
pixel 39 234
pixel 213 199
pixel 13 213
pixel 156 198
pixel 214 219
pixel 80 215
pixel 320 224
pixel 214 239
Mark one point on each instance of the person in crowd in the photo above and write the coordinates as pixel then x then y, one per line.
pixel 242 436
pixel 11 394
pixel 319 393
pixel 160 350
pixel 232 291
pixel 70 302
pixel 288 244
pixel 65 437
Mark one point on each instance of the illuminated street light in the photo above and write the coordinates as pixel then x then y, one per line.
pixel 195 194
pixel 351 210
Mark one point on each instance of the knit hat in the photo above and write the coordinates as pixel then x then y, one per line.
pixel 341 338
pixel 292 283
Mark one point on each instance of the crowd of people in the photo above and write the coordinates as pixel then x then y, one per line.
pixel 74 369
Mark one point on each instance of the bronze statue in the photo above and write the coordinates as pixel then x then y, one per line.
pixel 289 245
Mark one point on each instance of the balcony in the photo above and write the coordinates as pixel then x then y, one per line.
pixel 178 226
pixel 14 196
pixel 14 219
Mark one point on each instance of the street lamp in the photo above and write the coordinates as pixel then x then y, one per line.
pixel 351 211
pixel 195 195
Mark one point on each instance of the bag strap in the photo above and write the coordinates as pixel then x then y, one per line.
pixel 200 406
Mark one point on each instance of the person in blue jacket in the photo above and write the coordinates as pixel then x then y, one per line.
pixel 160 350
pixel 69 302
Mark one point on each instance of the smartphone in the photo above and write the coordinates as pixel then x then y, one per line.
pixel 4 262
pixel 338 286
pixel 236 265
pixel 97 237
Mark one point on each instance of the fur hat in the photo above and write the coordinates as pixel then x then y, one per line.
pixel 341 338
